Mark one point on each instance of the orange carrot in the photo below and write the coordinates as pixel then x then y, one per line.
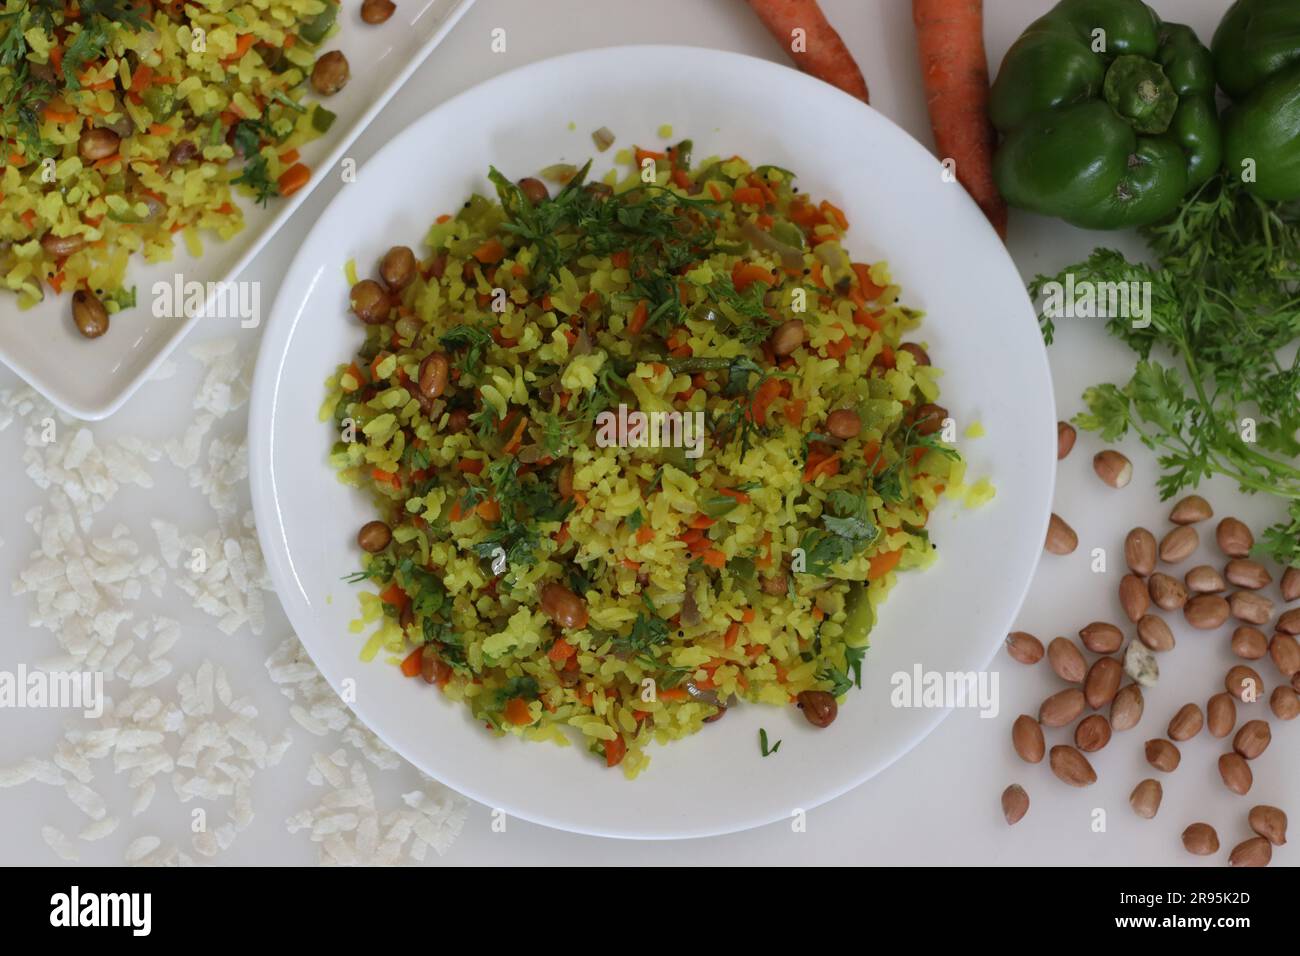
pixel 517 712
pixel 561 650
pixel 488 510
pixel 637 322
pixel 715 558
pixel 615 751
pixel 744 274
pixel 395 596
pixel 645 534
pixel 293 179
pixel 817 48
pixel 882 564
pixel 490 252
pixel 411 664
pixel 950 37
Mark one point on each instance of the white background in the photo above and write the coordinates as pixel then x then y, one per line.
pixel 939 804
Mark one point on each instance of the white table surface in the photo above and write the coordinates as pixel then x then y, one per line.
pixel 939 804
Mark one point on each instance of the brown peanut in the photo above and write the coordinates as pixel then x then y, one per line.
pixel 1027 738
pixel 1234 538
pixel 1101 638
pixel 1066 660
pixel 1236 773
pixel 1206 611
pixel 1221 714
pixel 1163 755
pixel 1187 723
pixel 1249 642
pixel 1190 510
pixel 1178 544
pixel 1071 766
pixel 1140 551
pixel 1021 645
pixel 1126 708
pixel 1145 798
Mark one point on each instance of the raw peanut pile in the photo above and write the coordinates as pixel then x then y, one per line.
pixel 1203 595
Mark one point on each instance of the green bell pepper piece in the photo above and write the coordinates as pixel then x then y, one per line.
pixel 314 30
pixel 160 101
pixel 1257 57
pixel 1107 115
pixel 322 119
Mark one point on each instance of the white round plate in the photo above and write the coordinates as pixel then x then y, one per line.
pixel 980 328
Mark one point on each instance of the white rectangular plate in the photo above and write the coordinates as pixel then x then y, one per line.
pixel 92 378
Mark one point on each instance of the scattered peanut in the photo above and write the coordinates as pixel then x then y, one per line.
pixel 1065 436
pixel 1133 596
pixel 1027 738
pixel 1092 733
pixel 1071 766
pixel 1252 739
pixel 1206 611
pixel 1236 773
pixel 1155 633
pixel 1066 660
pixel 1249 642
pixel 1022 646
pixel 1190 510
pixel 1112 468
pixel 1101 638
pixel 1145 798
pixel 1221 714
pixel 1187 723
pixel 1201 840
pixel 1061 538
pixel 1178 544
pixel 1163 755
pixel 1234 538
pixel 1140 551
pixel 1062 708
pixel 1203 579
pixel 1268 822
pixel 1256 851
pixel 1015 803
pixel 1126 708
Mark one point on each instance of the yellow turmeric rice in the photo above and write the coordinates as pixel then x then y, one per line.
pixel 565 585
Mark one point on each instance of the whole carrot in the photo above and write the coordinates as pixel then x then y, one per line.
pixel 816 49
pixel 950 38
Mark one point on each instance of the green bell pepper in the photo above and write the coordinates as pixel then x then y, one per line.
pixel 1107 115
pixel 1257 59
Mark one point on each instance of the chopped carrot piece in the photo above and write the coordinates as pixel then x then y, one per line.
pixel 715 558
pixel 472 466
pixel 517 712
pixel 820 463
pixel 740 496
pixel 702 521
pixel 293 179
pixel 748 195
pixel 645 534
pixel 882 564
pixel 674 693
pixel 517 438
pixel 747 616
pixel 615 751
pixel 490 252
pixel 637 322
pixel 621 259
pixel 412 661
pixel 631 565
pixel 395 596
pixel 488 510
pixel 733 632
pixel 745 274
pixel 561 650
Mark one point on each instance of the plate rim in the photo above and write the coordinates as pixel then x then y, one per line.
pixel 98 412
pixel 264 396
